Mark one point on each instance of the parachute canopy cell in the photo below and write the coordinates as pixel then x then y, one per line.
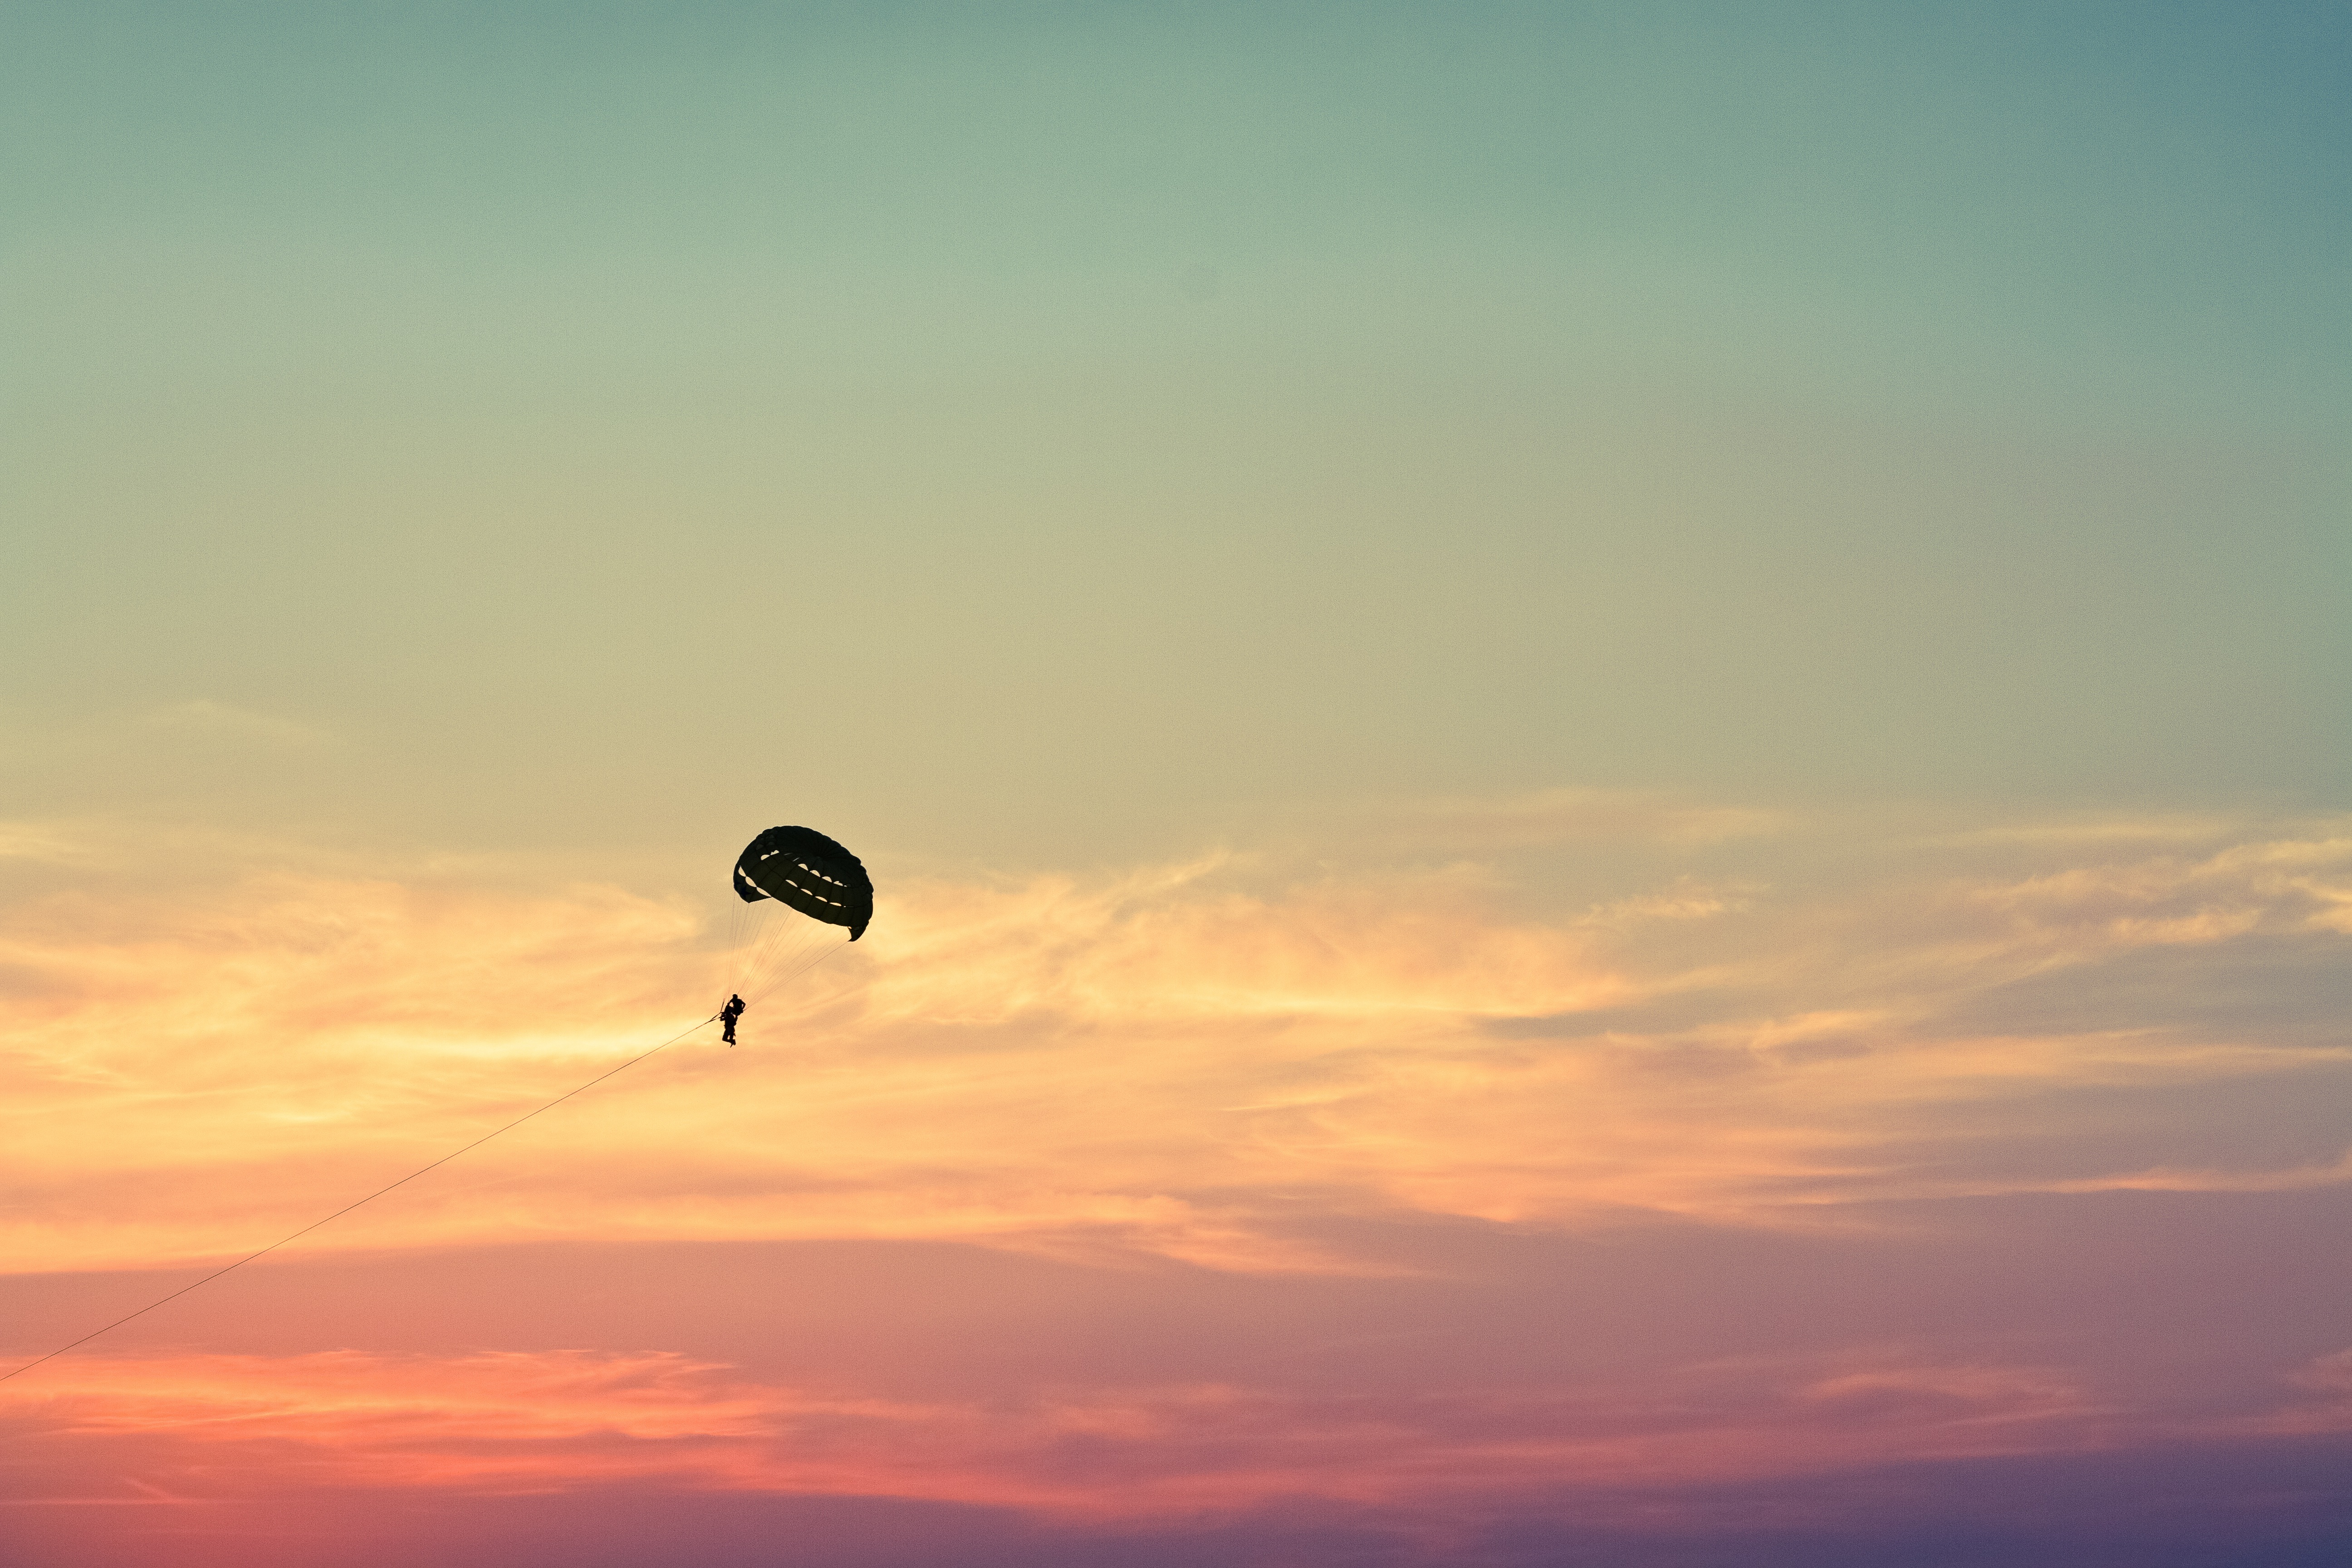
pixel 802 869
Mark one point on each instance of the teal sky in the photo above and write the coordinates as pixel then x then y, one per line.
pixel 1050 433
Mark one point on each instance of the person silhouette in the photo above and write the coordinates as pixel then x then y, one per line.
pixel 728 1013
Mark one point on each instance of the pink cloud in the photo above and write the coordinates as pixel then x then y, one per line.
pixel 566 1420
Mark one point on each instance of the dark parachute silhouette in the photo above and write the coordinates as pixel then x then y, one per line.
pixel 783 874
pixel 802 869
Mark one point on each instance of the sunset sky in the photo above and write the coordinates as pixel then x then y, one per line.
pixel 1608 751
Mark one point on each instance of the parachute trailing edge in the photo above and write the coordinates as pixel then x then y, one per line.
pixel 802 869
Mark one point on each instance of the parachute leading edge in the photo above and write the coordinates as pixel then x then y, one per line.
pixel 802 869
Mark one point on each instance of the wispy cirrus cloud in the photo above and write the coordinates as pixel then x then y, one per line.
pixel 204 716
pixel 1132 1060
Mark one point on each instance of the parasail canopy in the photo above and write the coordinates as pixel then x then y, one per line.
pixel 802 869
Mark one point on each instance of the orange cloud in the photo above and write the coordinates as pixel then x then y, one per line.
pixel 1144 1061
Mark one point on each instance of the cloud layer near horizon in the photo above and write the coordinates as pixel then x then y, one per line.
pixel 1779 1090
pixel 509 1422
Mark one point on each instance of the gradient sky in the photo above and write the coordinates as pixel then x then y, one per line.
pixel 1608 750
